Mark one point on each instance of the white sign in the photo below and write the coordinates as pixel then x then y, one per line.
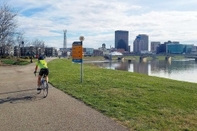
pixel 81 38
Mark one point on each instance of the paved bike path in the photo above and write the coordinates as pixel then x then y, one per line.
pixel 22 109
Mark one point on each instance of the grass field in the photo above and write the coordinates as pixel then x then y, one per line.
pixel 15 61
pixel 140 102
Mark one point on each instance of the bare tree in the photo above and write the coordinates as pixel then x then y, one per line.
pixel 39 46
pixel 7 27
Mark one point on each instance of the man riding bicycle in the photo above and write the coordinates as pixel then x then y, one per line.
pixel 42 64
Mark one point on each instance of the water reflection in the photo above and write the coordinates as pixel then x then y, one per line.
pixel 184 70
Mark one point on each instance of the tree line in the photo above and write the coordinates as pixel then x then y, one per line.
pixel 9 35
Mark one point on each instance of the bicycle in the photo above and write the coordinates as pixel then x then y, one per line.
pixel 43 85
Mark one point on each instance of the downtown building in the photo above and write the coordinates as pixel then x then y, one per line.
pixel 154 45
pixel 122 40
pixel 140 44
pixel 174 47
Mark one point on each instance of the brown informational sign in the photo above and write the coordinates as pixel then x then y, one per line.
pixel 77 52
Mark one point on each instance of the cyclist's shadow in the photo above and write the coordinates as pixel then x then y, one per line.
pixel 20 96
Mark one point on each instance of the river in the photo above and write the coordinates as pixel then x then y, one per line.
pixel 182 70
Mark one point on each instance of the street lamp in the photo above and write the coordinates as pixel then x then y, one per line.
pixel 31 53
pixel 0 40
pixel 23 48
pixel 19 50
pixel 39 51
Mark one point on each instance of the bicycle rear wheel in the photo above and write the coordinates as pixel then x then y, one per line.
pixel 45 88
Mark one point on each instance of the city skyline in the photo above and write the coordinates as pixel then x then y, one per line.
pixel 98 20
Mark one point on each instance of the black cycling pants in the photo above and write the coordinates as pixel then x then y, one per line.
pixel 44 71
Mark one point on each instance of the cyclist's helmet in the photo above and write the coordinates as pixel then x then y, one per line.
pixel 41 58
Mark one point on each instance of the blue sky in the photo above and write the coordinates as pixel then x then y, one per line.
pixel 97 20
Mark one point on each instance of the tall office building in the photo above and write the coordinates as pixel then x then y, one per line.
pixel 154 45
pixel 122 40
pixel 140 43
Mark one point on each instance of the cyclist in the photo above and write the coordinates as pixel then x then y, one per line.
pixel 42 64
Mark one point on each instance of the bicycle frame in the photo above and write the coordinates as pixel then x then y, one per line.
pixel 43 78
pixel 44 86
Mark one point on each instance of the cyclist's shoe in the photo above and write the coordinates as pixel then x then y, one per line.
pixel 38 89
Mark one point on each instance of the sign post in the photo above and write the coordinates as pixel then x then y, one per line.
pixel 77 53
pixel 77 50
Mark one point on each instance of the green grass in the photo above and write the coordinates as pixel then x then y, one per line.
pixel 140 102
pixel 15 61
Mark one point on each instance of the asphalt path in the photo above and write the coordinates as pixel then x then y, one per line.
pixel 22 109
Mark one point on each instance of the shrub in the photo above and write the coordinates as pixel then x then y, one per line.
pixel 26 57
pixel 3 56
pixel 8 57
pixel 18 59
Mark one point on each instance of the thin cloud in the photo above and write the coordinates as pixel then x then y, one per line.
pixel 97 20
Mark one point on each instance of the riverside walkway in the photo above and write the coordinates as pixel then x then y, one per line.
pixel 22 109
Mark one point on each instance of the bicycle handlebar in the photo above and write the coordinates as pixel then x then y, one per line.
pixel 35 73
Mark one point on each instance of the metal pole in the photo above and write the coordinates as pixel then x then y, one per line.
pixel 81 71
pixel 19 50
pixel 65 41
pixel 82 63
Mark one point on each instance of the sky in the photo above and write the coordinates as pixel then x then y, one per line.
pixel 97 20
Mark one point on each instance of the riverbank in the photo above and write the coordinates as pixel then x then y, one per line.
pixel 137 101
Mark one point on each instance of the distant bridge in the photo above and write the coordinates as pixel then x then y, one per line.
pixel 109 57
pixel 192 57
pixel 144 57
pixel 168 57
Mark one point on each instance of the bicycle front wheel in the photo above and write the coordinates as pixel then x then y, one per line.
pixel 45 88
